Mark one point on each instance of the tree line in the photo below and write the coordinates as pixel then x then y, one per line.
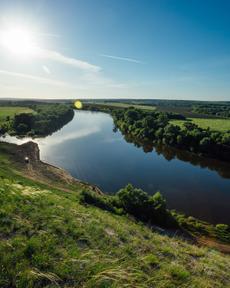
pixel 46 119
pixel 155 127
pixel 219 110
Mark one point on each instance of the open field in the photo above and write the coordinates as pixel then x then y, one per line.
pixel 126 105
pixel 11 111
pixel 214 124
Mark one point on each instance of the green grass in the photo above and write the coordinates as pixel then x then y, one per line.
pixel 12 111
pixel 126 105
pixel 48 239
pixel 222 125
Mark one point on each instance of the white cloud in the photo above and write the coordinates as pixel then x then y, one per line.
pixel 122 58
pixel 90 77
pixel 58 57
pixel 39 79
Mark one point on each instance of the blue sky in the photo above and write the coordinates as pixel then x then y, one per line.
pixel 164 49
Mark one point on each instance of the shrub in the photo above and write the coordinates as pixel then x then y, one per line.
pixel 151 209
pixel 222 232
pixel 134 201
pixel 104 202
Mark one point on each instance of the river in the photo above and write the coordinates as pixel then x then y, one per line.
pixel 88 148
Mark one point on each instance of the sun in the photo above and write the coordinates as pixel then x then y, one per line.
pixel 18 41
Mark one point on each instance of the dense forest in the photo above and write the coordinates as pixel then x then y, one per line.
pixel 43 120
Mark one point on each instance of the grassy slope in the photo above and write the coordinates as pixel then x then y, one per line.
pixel 214 124
pixel 47 238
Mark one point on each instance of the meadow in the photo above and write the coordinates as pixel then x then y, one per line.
pixel 12 111
pixel 222 125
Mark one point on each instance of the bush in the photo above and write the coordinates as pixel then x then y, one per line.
pixel 134 201
pixel 223 232
pixel 104 202
pixel 151 209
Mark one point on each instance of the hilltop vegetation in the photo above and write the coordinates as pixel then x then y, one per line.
pixel 49 238
pixel 35 120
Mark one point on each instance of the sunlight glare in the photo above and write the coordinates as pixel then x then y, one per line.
pixel 18 41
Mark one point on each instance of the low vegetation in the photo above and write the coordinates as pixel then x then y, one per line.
pixel 152 210
pixel 148 209
pixel 48 238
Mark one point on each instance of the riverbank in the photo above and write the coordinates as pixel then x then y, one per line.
pixel 83 148
pixel 37 170
pixel 57 178
pixel 158 128
pixel 48 238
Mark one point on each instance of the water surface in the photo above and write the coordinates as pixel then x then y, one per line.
pixel 88 148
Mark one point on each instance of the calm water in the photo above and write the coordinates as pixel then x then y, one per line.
pixel 88 148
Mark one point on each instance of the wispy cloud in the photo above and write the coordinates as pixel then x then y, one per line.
pixel 58 57
pixel 42 53
pixel 39 79
pixel 122 58
pixel 90 75
pixel 46 69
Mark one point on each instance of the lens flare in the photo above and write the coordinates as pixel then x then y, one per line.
pixel 78 104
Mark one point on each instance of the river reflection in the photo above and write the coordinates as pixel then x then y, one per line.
pixel 170 153
pixel 88 148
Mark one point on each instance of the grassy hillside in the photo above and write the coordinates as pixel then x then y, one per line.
pixel 222 125
pixel 48 239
